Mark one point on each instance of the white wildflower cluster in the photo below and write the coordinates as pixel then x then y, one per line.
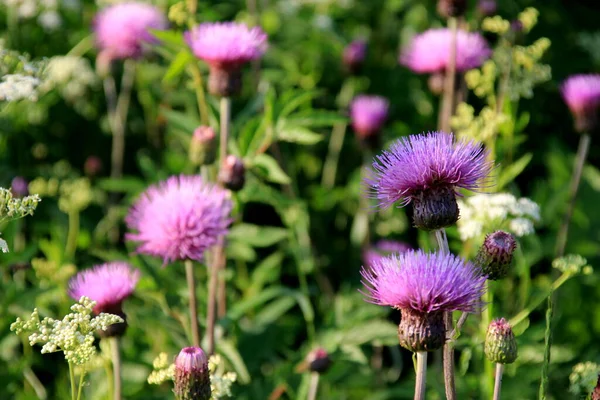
pixel 574 264
pixel 73 335
pixel 15 87
pixel 46 11
pixel 583 378
pixel 71 76
pixel 484 213
pixel 11 208
pixel 220 380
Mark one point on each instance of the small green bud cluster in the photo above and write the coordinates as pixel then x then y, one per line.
pixel 574 264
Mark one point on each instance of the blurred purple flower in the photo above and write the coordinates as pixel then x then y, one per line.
pixel 487 7
pixel 179 218
pixel 368 114
pixel 582 93
pixel 424 162
pixel 382 249
pixel 19 186
pixel 354 55
pixel 122 29
pixel 424 283
pixel 107 284
pixel 429 52
pixel 226 45
pixel 192 377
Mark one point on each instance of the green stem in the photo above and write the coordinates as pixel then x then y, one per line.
pixel 333 155
pixel 200 96
pixel 84 45
pixel 72 235
pixel 191 283
pixel 80 389
pixel 211 313
pixel 314 386
pixel 488 300
pixel 498 383
pixel 449 81
pixel 421 375
pixel 72 378
pixel 116 363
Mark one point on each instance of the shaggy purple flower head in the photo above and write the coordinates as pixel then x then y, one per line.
pixel 192 377
pixel 226 45
pixel 582 95
pixel 427 161
pixel 123 29
pixel 180 218
pixel 107 284
pixel 382 249
pixel 429 52
pixel 368 114
pixel 424 283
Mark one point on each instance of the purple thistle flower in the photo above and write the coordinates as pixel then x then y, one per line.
pixel 192 377
pixel 180 218
pixel 424 283
pixel 226 45
pixel 122 29
pixel 429 52
pixel 368 114
pixel 382 249
pixel 107 284
pixel 582 95
pixel 424 162
pixel 19 186
pixel 354 55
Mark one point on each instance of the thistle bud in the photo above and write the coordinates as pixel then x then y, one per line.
pixel 92 166
pixel 500 343
pixel 192 377
pixel 232 174
pixel 354 56
pixel 496 254
pixel 435 208
pixel 451 8
pixel 225 82
pixel 421 331
pixel 318 360
pixel 487 7
pixel 203 146
pixel 19 187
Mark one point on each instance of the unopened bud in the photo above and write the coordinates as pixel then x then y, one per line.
pixel 487 7
pixel 435 208
pixel 451 8
pixel 318 360
pixel 192 377
pixel 203 146
pixel 232 174
pixel 421 331
pixel 500 343
pixel 19 187
pixel 225 82
pixel 92 166
pixel 354 56
pixel 496 254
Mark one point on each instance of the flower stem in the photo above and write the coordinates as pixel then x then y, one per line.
pixel 486 319
pixel 498 384
pixel 449 81
pixel 225 116
pixel 211 314
pixel 314 386
pixel 191 282
pixel 200 97
pixel 72 235
pixel 72 379
pixel 80 390
pixel 333 155
pixel 116 366
pixel 421 375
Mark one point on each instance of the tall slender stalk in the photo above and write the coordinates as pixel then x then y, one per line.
pixel 313 387
pixel 421 375
pixel 448 350
pixel 191 282
pixel 498 382
pixel 486 319
pixel 72 379
pixel 449 81
pixel 211 314
pixel 80 389
pixel 200 95
pixel 561 244
pixel 116 367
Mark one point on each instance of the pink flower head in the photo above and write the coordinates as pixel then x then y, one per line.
pixel 122 29
pixel 429 52
pixel 582 93
pixel 424 283
pixel 382 249
pixel 368 114
pixel 427 161
pixel 354 53
pixel 107 284
pixel 226 45
pixel 191 359
pixel 180 218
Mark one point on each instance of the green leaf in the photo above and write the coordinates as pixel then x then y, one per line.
pixel 180 120
pixel 269 169
pixel 509 173
pixel 296 99
pixel 177 66
pixel 268 271
pixel 257 236
pixel 228 350
pixel 297 134
pixel 316 119
pixel 169 38
pixel 122 185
